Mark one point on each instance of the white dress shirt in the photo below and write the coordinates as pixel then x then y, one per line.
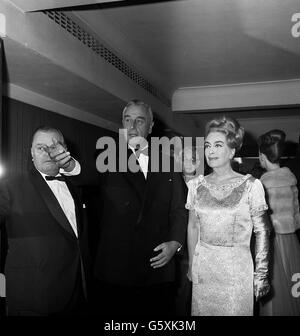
pixel 65 199
pixel 142 160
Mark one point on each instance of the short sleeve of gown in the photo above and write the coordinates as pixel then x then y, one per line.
pixel 192 192
pixel 258 204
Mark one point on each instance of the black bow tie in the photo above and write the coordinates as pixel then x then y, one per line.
pixel 139 151
pixel 57 178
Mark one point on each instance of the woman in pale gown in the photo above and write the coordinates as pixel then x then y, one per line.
pixel 281 188
pixel 225 207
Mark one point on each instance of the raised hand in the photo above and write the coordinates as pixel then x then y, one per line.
pixel 59 154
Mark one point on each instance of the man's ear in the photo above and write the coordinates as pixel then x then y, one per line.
pixel 150 128
pixel 262 156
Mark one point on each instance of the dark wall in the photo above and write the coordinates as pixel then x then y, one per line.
pixel 2 232
pixel 20 121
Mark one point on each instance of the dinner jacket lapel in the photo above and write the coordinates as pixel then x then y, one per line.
pixel 50 201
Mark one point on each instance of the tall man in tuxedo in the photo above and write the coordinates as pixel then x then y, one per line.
pixel 47 260
pixel 143 225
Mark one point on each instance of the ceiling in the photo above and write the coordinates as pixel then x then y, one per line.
pixel 204 42
pixel 183 44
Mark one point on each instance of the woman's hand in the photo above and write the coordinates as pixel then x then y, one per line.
pixel 261 287
pixel 262 254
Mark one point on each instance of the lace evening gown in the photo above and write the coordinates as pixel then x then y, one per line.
pixel 222 269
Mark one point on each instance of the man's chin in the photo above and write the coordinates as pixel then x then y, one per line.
pixel 50 169
pixel 137 140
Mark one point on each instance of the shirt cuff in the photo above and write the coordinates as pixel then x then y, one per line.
pixel 75 171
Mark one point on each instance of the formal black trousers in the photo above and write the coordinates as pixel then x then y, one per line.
pixel 112 300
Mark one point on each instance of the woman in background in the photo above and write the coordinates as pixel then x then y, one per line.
pixel 281 188
pixel 225 207
pixel 189 160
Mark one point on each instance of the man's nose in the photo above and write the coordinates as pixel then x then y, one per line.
pixel 46 153
pixel 133 124
pixel 46 150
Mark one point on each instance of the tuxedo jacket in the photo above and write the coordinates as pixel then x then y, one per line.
pixel 46 263
pixel 139 214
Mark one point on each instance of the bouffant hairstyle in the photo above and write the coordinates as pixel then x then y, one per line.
pixel 272 144
pixel 230 127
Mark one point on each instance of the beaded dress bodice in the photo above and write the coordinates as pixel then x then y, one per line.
pixel 224 211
